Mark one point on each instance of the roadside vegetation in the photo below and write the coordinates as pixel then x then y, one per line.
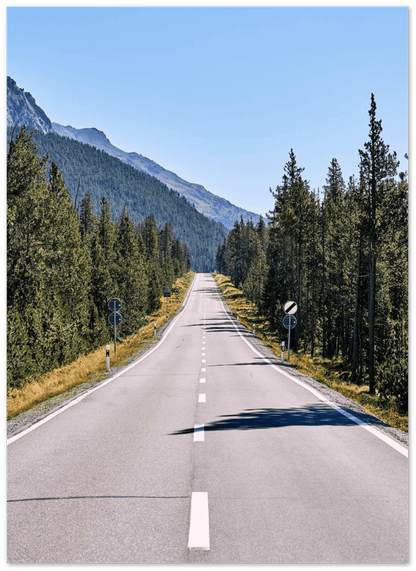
pixel 64 264
pixel 91 368
pixel 340 253
pixel 329 372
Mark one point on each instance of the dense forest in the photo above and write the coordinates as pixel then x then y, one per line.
pixel 343 258
pixel 86 169
pixel 65 262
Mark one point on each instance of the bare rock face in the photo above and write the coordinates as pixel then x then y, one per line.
pixel 23 110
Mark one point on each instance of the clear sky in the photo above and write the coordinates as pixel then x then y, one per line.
pixel 220 95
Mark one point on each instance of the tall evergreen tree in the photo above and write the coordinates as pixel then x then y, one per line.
pixel 377 165
pixel 131 276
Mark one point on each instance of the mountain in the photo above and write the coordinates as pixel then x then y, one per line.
pixel 209 204
pixel 86 169
pixel 22 109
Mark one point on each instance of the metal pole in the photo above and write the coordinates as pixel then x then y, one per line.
pixel 288 345
pixel 115 332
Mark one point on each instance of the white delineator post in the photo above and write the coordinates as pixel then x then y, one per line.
pixel 107 356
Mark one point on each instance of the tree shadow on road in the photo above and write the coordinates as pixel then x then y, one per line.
pixel 264 418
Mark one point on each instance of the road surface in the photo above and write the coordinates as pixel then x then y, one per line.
pixel 203 451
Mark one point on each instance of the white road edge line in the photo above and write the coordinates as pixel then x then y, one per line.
pixel 101 385
pixel 398 447
pixel 199 522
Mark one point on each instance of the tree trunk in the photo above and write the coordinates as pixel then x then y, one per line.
pixel 355 343
pixel 371 319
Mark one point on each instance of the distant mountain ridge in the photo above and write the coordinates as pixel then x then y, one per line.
pixel 22 109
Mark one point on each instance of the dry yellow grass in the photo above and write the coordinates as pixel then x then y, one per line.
pixel 322 370
pixel 93 366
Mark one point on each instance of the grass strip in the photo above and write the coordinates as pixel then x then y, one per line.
pixel 325 371
pixel 92 367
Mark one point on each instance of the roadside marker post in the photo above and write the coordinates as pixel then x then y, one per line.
pixel 107 356
pixel 115 318
pixel 289 321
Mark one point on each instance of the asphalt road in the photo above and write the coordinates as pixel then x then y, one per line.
pixel 203 451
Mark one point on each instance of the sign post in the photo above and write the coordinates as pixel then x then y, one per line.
pixel 289 321
pixel 166 294
pixel 115 318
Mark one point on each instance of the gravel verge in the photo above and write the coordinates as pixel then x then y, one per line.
pixel 335 397
pixel 29 417
pixel 37 413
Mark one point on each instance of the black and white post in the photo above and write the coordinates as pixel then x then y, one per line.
pixel 114 318
pixel 107 357
pixel 289 321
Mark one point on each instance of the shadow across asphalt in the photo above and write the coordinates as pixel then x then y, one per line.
pixel 264 418
pixel 257 361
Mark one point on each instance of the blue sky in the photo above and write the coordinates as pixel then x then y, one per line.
pixel 220 95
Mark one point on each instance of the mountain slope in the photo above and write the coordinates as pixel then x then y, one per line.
pixel 209 204
pixel 86 169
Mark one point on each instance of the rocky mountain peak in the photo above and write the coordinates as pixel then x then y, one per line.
pixel 22 109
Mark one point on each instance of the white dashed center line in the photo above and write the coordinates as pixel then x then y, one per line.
pixel 199 524
pixel 202 397
pixel 199 433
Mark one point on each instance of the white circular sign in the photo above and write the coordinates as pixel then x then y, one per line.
pixel 290 307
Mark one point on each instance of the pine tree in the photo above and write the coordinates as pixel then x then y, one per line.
pixel 88 220
pixel 104 284
pixel 131 277
pixel 150 236
pixel 377 165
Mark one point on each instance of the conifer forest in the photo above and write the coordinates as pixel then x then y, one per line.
pixel 341 254
pixel 343 258
pixel 64 265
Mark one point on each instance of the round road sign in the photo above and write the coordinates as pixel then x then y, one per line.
pixel 289 321
pixel 115 318
pixel 114 304
pixel 290 307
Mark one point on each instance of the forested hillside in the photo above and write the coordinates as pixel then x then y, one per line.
pixel 65 263
pixel 343 259
pixel 86 169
